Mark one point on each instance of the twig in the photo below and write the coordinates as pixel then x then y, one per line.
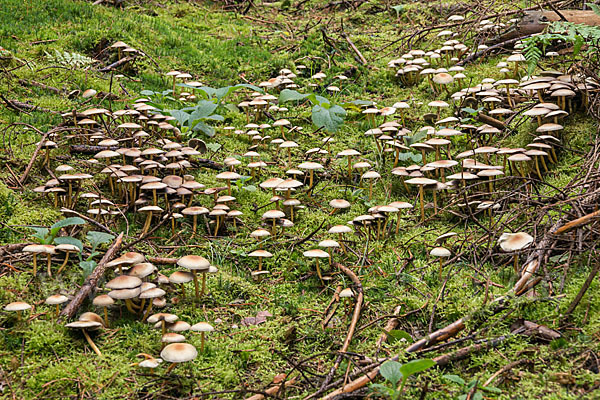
pixel 90 283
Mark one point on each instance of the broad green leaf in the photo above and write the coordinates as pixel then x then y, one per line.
pixel 397 335
pixel 69 240
pixel 68 222
pixel 204 128
pixel 87 267
pixel 455 379
pixel 416 366
pixel 41 234
pixel 147 93
pixel 250 188
pixel 97 238
pixel 595 8
pixel 477 396
pixel 290 95
pixel 399 9
pixel 491 389
pixel 202 110
pixel 390 370
pixel 329 118
pixel 181 116
pixel 214 147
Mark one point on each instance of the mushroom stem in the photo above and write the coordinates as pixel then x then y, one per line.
pixel 91 343
pixel 49 265
pixel 129 306
pixel 182 293
pixel 516 264
pixel 421 203
pixel 203 291
pixel 196 285
pixel 350 167
pixel 34 264
pixel 171 367
pixel 440 270
pixel 201 342
pixel 147 313
pixel 57 311
pixel 106 316
pixel 319 271
pixel 195 226
pixel 64 264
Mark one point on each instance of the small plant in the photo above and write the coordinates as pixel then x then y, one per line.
pixel 49 235
pixel 96 239
pixel 73 60
pixel 325 114
pixel 394 372
pixel 467 388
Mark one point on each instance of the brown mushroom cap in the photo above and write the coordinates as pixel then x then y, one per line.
pixel 178 352
pixel 193 262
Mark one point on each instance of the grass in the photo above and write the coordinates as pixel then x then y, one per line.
pixel 222 48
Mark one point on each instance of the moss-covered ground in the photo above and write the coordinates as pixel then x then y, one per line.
pixel 42 359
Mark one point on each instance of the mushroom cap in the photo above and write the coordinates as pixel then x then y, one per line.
pixel 194 262
pixel 178 326
pixel 141 270
pixel 421 181
pixel 178 352
pixel 515 241
pixel 339 203
pixel 259 233
pixel 17 306
pixel 39 249
pixel 340 229
pixel 123 294
pixel 103 300
pixel 129 258
pixel 327 243
pixel 440 252
pixel 66 247
pixel 181 277
pixel 152 293
pixel 169 318
pixel 347 292
pixel 56 299
pixel 124 282
pixel 84 325
pixel 172 337
pixel 316 253
pixel 273 214
pixel 150 363
pixel 202 327
pixel 228 175
pixel 260 253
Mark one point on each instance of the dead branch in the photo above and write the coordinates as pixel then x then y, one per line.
pixel 89 285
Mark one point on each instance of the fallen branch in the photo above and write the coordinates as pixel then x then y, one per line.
pixel 88 219
pixel 361 58
pixel 273 390
pixel 116 64
pixel 89 286
pixel 586 219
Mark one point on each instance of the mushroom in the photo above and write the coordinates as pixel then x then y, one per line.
pixel 67 248
pixel 440 253
pixel 260 254
pixel 196 263
pixel 316 254
pixel 202 327
pixel 163 319
pixel 181 278
pixel 421 182
pixel 104 301
pixel 177 353
pixel 56 300
pixel 36 249
pixel 125 287
pixel 83 325
pixel 18 306
pixel 513 242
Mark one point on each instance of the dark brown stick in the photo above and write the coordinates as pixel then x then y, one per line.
pixel 90 283
pixel 582 291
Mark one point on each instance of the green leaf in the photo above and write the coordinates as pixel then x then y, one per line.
pixel 399 9
pixel 87 267
pixel 181 116
pixel 455 379
pixel 416 366
pixel 595 8
pixel 204 128
pixel 579 41
pixel 202 110
pixel 328 118
pixel 290 95
pixel 69 240
pixel 491 389
pixel 477 396
pixel 390 370
pixel 41 234
pixel 68 222
pixel 558 343
pixel 97 238
pixel 214 147
pixel 397 335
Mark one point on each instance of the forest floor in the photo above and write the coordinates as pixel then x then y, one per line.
pixel 222 44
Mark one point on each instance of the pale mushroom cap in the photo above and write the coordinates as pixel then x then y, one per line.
pixel 340 229
pixel 271 214
pixel 339 203
pixel 194 262
pixel 178 352
pixel 202 327
pixel 150 363
pixel 123 294
pixel 84 325
pixel 169 318
pixel 103 300
pixel 17 306
pixel 124 282
pixel 181 277
pixel 316 253
pixel 260 253
pixel 328 243
pixel 56 299
pixel 440 252
pixel 515 241
pixel 172 337
pixel 347 292
pixel 421 181
pixel 152 293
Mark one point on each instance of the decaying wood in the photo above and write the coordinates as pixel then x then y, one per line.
pixel 116 64
pixel 586 219
pixel 89 286
pixel 355 316
pixel 391 325
pixel 92 221
pixel 273 390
